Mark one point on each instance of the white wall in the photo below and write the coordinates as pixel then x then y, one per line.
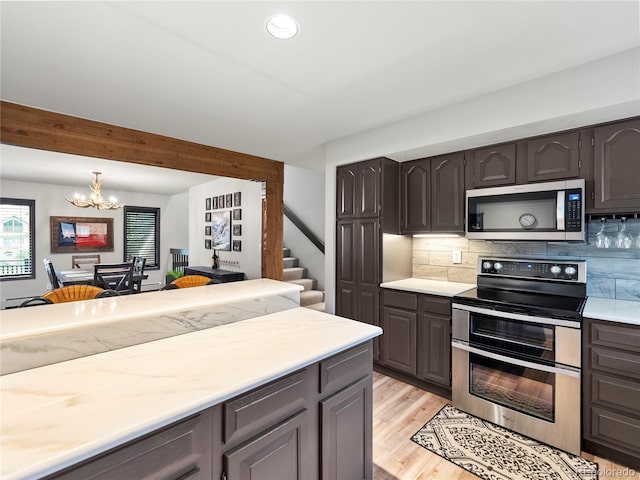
pixel 599 91
pixel 304 193
pixel 50 202
pixel 250 258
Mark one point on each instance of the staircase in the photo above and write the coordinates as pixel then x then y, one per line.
pixel 293 273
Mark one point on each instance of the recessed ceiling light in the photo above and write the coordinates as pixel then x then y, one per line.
pixel 282 26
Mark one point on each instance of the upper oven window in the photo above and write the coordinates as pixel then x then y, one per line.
pixel 512 337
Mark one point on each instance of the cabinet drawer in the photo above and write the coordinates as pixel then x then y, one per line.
pixel 181 450
pixel 615 361
pixel 343 369
pixel 615 335
pixel 393 298
pixel 615 430
pixel 614 392
pixel 433 304
pixel 256 410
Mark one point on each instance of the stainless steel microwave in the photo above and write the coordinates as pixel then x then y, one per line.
pixel 552 211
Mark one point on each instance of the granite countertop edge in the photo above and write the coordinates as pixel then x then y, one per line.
pixel 431 287
pixel 611 309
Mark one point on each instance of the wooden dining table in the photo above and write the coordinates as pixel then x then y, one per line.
pixel 78 276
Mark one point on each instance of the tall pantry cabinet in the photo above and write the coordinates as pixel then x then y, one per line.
pixel 367 206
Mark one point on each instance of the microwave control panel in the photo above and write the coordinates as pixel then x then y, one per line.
pixel 573 220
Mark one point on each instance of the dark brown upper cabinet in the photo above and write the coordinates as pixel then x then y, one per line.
pixel 491 166
pixel 433 194
pixel 617 167
pixel 554 157
pixel 369 189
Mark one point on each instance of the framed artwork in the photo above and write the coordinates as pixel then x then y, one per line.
pixel 237 197
pixel 228 200
pixel 237 214
pixel 207 230
pixel 207 204
pixel 81 234
pixel 221 230
pixel 215 203
pixel 237 230
pixel 237 245
pixel 220 201
pixel 207 244
pixel 207 217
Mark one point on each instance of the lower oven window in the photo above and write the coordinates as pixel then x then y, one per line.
pixel 526 390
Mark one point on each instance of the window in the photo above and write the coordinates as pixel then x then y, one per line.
pixel 142 234
pixel 17 234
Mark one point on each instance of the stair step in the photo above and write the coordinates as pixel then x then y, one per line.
pixel 286 252
pixel 307 283
pixel 290 262
pixel 316 306
pixel 294 273
pixel 310 297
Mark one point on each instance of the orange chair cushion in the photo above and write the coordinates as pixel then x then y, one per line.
pixel 191 281
pixel 73 293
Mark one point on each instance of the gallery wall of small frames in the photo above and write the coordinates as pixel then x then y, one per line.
pixel 222 227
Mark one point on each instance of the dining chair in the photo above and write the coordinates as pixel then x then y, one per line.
pixel 114 276
pixel 51 273
pixel 139 264
pixel 193 281
pixel 85 262
pixel 32 302
pixel 73 293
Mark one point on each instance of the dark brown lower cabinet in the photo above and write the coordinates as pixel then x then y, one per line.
pixel 416 339
pixel 279 453
pixel 311 424
pixel 346 433
pixel 611 391
pixel 399 340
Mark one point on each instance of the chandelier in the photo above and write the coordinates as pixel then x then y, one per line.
pixel 95 200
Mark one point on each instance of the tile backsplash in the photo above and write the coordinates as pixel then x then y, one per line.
pixel 611 272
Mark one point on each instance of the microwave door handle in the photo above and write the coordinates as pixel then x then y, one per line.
pixel 560 209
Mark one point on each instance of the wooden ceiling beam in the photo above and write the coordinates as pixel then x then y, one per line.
pixel 34 128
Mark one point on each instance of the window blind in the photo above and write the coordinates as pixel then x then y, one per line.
pixel 142 234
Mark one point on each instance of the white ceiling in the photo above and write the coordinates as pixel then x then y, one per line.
pixel 208 72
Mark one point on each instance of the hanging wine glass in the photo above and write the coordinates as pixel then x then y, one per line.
pixel 602 239
pixel 624 238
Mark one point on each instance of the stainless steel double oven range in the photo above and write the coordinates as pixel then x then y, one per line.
pixel 516 342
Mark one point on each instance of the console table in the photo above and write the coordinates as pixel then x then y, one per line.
pixel 225 276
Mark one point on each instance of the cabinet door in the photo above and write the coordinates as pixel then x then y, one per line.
pixel 278 453
pixel 434 349
pixel 553 157
pixel 447 193
pixel 416 184
pixel 493 166
pixel 399 340
pixel 368 189
pixel 617 166
pixel 346 177
pixel 346 267
pixel 346 435
pixel 368 270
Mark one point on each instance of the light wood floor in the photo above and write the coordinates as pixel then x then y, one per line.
pixel 399 411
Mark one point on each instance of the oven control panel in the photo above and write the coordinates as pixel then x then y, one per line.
pixel 574 271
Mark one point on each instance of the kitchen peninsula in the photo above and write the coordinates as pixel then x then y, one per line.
pixel 281 392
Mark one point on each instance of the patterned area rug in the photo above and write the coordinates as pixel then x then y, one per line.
pixel 492 452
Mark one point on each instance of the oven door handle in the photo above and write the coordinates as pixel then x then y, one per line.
pixel 568 371
pixel 517 316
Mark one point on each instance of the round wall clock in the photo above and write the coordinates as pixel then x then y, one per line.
pixel 528 221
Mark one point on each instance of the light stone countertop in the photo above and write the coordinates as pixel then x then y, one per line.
pixel 129 392
pixel 621 311
pixel 20 322
pixel 432 287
